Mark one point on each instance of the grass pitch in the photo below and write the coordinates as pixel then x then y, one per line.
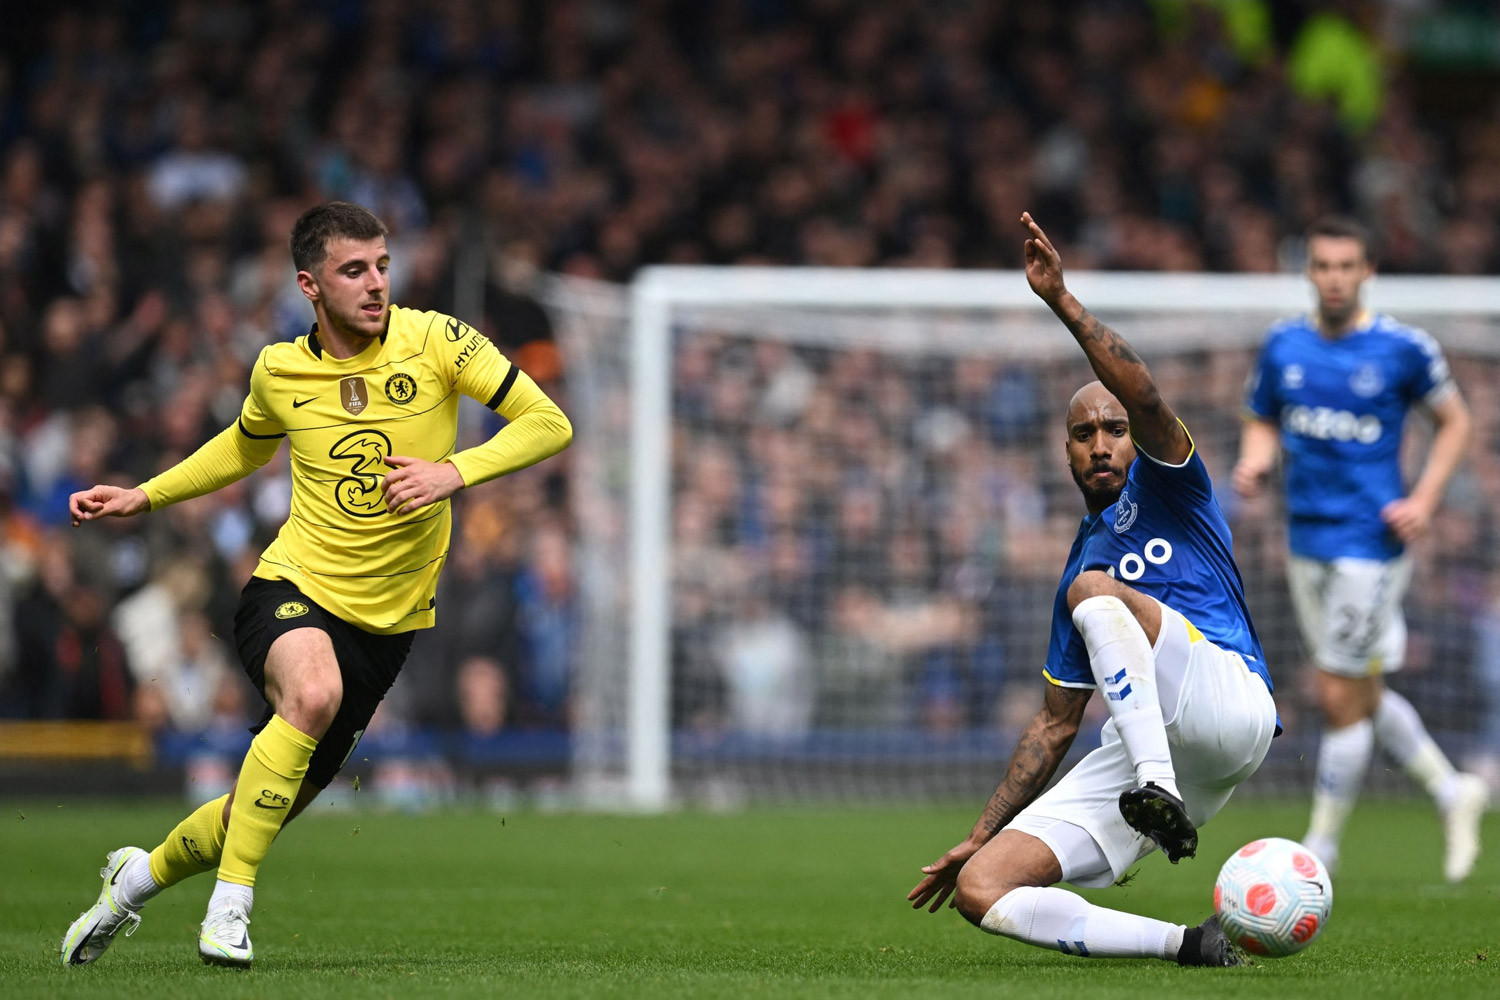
pixel 773 903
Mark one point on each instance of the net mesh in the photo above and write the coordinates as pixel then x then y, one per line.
pixel 869 513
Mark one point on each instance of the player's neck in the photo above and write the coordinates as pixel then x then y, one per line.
pixel 340 344
pixel 1334 329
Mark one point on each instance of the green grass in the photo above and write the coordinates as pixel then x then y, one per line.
pixel 767 903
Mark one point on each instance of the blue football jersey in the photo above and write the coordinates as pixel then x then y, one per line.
pixel 1341 404
pixel 1167 538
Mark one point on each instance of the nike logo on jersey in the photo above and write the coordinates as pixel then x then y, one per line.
pixel 296 403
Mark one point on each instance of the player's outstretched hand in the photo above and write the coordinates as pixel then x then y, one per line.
pixel 413 483
pixel 942 878
pixel 1044 272
pixel 107 501
pixel 1407 517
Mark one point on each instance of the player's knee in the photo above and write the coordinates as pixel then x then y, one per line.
pixel 1091 583
pixel 976 892
pixel 312 705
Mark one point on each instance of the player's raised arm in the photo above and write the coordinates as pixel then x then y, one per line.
pixel 1152 423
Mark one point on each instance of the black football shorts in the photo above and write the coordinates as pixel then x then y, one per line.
pixel 368 663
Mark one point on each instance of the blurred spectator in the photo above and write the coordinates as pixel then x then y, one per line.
pixel 483 696
pixel 547 618
pixel 71 663
pixel 767 670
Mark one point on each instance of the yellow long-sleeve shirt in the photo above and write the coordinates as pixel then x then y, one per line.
pixel 399 396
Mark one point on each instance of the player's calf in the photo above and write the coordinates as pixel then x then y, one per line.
pixel 1059 920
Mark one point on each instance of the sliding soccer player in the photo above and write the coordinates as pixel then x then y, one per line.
pixel 1151 610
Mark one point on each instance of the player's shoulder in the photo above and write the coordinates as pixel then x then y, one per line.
pixel 1288 330
pixel 419 330
pixel 1390 329
pixel 285 357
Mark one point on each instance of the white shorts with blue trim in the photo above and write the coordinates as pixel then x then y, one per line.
pixel 1220 722
pixel 1349 611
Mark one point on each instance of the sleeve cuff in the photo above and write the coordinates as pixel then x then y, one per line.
pixel 1067 684
pixel 461 463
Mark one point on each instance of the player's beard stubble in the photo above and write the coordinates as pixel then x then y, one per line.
pixel 350 324
pixel 1099 497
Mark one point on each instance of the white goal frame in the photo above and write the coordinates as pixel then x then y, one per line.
pixel 658 291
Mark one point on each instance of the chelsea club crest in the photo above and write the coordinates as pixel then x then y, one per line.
pixel 1125 512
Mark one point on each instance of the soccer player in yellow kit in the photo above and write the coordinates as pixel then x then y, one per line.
pixel 369 402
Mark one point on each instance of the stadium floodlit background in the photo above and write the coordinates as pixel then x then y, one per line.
pixel 864 534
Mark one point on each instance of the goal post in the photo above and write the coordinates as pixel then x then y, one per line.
pixel 638 743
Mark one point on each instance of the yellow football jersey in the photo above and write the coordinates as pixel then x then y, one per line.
pixel 343 418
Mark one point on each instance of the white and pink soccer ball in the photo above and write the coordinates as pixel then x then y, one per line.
pixel 1273 897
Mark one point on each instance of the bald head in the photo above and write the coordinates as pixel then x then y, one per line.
pixel 1099 448
pixel 1093 399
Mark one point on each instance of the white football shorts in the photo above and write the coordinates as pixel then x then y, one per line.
pixel 1349 611
pixel 1220 722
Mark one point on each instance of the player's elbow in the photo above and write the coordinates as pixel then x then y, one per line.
pixel 1460 424
pixel 562 430
pixel 1146 398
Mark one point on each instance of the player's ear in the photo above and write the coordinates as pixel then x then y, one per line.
pixel 309 285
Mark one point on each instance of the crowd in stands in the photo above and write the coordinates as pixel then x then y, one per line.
pixel 153 156
pixel 868 541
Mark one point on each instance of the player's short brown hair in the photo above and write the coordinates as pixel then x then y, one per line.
pixel 331 220
pixel 1344 228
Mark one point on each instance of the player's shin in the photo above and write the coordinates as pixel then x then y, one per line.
pixel 1124 667
pixel 267 786
pixel 1342 759
pixel 194 846
pixel 1055 918
pixel 1400 733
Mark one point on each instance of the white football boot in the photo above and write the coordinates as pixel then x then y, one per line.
pixel 94 931
pixel 1461 827
pixel 225 937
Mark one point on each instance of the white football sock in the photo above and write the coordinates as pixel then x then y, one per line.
pixel 1125 669
pixel 1400 733
pixel 1342 759
pixel 136 884
pixel 242 896
pixel 1055 918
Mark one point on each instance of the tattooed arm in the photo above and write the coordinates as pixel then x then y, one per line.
pixel 1154 426
pixel 1038 752
pixel 1040 749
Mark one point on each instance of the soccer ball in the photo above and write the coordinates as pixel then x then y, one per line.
pixel 1273 897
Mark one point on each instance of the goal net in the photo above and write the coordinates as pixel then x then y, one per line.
pixel 821 517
